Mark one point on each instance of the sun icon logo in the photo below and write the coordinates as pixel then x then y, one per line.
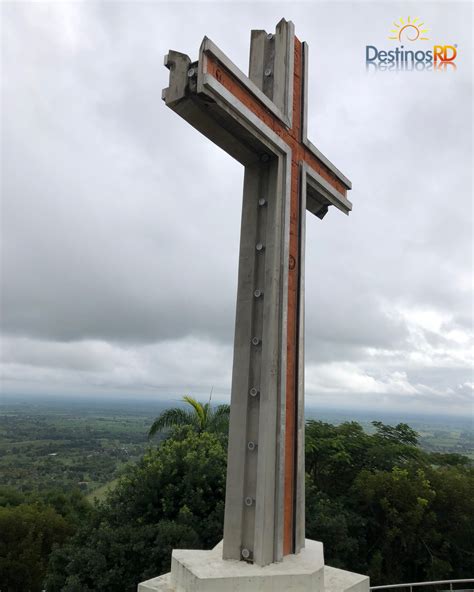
pixel 409 30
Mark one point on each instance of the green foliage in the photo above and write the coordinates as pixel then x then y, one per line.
pixel 384 507
pixel 345 450
pixel 108 558
pixel 449 459
pixel 425 514
pixel 400 434
pixel 330 521
pixel 173 498
pixel 380 504
pixel 28 533
pixel 335 450
pixel 201 417
pixel 397 506
pixel 72 506
pixel 453 507
pixel 10 497
pixel 183 480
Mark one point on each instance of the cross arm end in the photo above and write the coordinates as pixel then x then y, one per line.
pixel 321 195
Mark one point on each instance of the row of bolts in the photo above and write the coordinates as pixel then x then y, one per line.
pixel 257 293
pixel 253 392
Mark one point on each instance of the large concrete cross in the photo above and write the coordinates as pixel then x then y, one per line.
pixel 261 120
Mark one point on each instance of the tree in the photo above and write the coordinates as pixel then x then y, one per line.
pixel 330 520
pixel 380 504
pixel 385 507
pixel 400 522
pixel 72 506
pixel 201 417
pixel 449 459
pixel 393 446
pixel 172 498
pixel 454 510
pixel 335 450
pixel 10 497
pixel 344 450
pixel 27 535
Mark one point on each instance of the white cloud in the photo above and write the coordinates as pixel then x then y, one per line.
pixel 120 223
pixel 89 365
pixel 351 378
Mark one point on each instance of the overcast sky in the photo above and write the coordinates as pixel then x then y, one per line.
pixel 120 222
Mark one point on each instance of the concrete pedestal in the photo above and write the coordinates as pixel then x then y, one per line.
pixel 206 571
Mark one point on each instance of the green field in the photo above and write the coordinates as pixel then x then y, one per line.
pixel 44 446
pixel 86 445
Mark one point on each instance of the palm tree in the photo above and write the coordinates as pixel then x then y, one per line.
pixel 201 417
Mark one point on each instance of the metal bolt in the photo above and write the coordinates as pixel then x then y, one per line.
pixel 259 247
pixel 257 293
pixel 255 340
pixel 262 202
pixel 270 36
pixel 264 157
pixel 191 72
pixel 268 72
pixel 251 445
pixel 245 553
pixel 253 392
pixel 248 501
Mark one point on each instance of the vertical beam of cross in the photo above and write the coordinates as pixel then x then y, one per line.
pixel 261 121
pixel 295 269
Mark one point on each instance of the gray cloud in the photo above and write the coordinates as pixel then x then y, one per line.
pixel 121 224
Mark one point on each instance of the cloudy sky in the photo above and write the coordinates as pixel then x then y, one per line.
pixel 119 264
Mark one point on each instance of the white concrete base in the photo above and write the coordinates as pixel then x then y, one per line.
pixel 206 571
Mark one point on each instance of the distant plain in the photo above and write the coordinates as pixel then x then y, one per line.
pixel 86 443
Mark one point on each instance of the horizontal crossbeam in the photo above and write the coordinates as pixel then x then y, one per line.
pixel 216 98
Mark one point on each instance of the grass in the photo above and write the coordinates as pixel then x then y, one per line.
pixel 101 492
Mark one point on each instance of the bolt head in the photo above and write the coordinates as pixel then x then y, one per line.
pixel 268 72
pixel 251 445
pixel 191 72
pixel 262 202
pixel 248 501
pixel 259 247
pixel 257 293
pixel 245 553
pixel 253 392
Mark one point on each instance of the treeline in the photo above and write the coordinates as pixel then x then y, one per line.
pixel 384 507
pixel 380 504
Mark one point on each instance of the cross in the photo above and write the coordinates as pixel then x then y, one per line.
pixel 261 120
